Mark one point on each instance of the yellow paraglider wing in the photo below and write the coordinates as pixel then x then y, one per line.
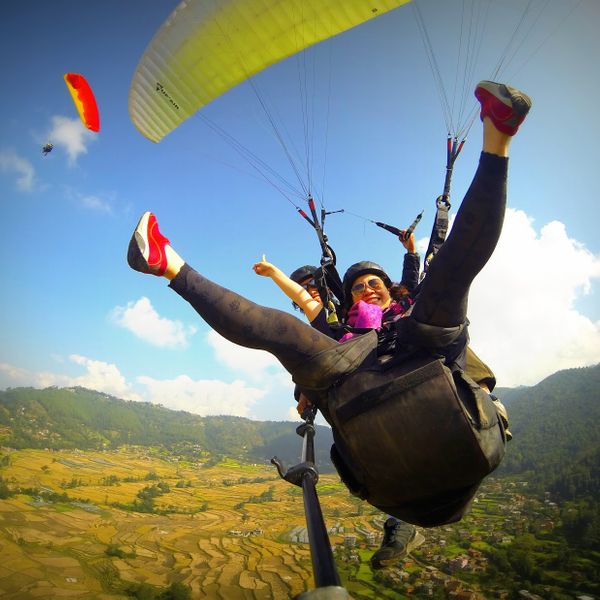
pixel 206 47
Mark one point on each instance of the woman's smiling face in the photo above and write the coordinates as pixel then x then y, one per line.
pixel 371 289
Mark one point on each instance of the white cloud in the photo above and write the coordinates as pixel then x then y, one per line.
pixel 202 397
pixel 11 162
pixel 144 322
pixel 71 135
pixel 96 203
pixel 98 375
pixel 422 244
pixel 292 414
pixel 12 376
pixel 522 305
pixel 104 377
pixel 251 362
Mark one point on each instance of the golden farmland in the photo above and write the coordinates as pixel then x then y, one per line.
pixel 226 531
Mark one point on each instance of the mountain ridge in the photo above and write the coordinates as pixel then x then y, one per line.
pixel 91 420
pixel 554 424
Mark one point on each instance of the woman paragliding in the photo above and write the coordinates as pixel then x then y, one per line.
pixel 414 435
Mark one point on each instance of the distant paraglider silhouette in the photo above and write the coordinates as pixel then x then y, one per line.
pixel 47 148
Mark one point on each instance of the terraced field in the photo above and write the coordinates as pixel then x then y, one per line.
pixel 225 531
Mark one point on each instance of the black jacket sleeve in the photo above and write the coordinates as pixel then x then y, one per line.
pixel 410 271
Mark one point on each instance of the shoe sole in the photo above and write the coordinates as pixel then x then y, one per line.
pixel 138 247
pixel 141 231
pixel 415 542
pixel 512 98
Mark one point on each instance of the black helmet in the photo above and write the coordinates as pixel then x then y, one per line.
pixel 362 268
pixel 302 273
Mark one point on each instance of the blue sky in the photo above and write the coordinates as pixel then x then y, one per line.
pixel 73 313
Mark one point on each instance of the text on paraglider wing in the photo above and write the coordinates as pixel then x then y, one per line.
pixel 160 88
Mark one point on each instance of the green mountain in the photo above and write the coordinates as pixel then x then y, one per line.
pixel 556 442
pixel 555 423
pixel 90 420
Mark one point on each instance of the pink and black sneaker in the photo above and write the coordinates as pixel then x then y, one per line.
pixel 146 252
pixel 507 107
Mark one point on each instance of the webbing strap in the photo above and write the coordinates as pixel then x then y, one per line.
pixel 440 224
pixel 438 232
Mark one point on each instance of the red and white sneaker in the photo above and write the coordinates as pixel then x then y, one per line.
pixel 146 252
pixel 507 107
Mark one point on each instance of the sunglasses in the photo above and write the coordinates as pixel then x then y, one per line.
pixel 309 284
pixel 360 288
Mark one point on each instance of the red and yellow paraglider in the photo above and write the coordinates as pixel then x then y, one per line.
pixel 84 100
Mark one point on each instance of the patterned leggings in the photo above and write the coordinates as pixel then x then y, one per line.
pixel 442 300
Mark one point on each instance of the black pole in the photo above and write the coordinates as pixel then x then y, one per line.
pixel 305 475
pixel 324 569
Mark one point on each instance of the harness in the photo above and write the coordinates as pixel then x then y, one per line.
pixel 413 436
